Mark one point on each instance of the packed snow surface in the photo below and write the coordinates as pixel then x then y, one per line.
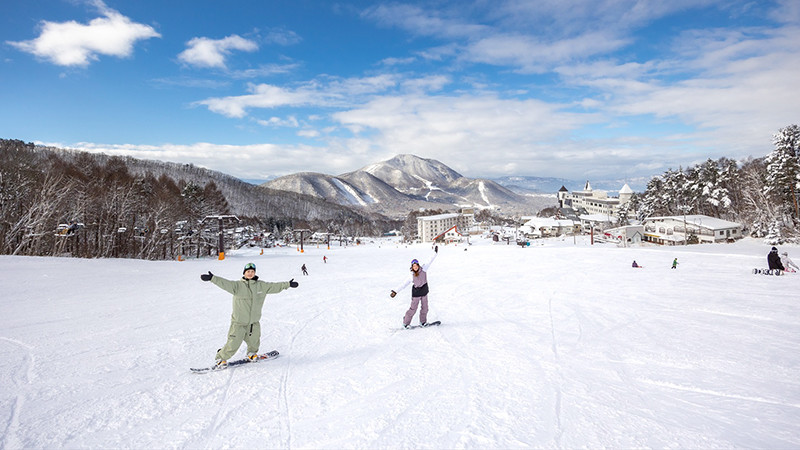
pixel 558 345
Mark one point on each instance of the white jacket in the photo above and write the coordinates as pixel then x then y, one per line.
pixel 788 262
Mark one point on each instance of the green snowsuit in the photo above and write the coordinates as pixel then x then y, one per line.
pixel 248 299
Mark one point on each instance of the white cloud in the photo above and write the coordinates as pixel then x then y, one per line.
pixel 327 92
pixel 530 54
pixel 290 121
pixel 788 11
pixel 263 71
pixel 729 90
pixel 422 21
pixel 398 61
pixel 260 96
pixel 282 37
pixel 430 83
pixel 309 133
pixel 211 53
pixel 708 93
pixel 75 44
pixel 256 161
pixel 485 131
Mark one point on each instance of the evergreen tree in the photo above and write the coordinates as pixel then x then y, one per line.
pixel 783 170
pixel 773 236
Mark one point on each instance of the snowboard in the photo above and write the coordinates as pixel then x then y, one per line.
pixel 237 362
pixel 430 324
pixel 768 271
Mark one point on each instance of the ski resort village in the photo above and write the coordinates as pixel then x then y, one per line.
pixel 399 224
pixel 586 212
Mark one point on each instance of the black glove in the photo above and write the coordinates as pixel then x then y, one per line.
pixel 436 249
pixel 293 283
pixel 206 276
pixel 393 294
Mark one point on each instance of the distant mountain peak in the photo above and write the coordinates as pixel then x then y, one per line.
pixel 408 173
pixel 405 182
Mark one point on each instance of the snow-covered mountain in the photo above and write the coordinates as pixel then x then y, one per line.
pixel 405 182
pixel 331 188
pixel 412 175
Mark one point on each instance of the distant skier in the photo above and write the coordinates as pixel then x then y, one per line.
pixel 774 260
pixel 788 263
pixel 325 259
pixel 305 271
pixel 634 265
pixel 248 300
pixel 675 263
pixel 419 291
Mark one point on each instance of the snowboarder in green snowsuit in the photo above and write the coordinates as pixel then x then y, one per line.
pixel 248 299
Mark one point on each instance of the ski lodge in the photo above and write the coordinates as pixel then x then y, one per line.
pixel 444 227
pixel 692 229
pixel 537 227
pixel 594 202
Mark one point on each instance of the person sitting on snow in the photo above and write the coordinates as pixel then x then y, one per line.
pixel 634 264
pixel 788 263
pixel 774 260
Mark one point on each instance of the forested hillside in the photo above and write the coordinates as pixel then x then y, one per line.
pixel 55 201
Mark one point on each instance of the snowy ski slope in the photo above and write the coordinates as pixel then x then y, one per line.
pixel 559 345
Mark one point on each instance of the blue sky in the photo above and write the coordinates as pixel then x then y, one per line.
pixel 593 89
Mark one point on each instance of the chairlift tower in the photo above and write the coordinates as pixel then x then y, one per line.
pixel 221 219
pixel 302 232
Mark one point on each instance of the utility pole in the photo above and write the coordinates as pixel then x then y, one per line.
pixel 684 209
pixel 221 231
pixel 302 233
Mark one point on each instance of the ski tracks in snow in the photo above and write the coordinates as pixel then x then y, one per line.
pixel 559 431
pixel 16 383
pixel 222 411
pixel 286 410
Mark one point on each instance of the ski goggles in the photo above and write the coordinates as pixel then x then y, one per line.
pixel 249 266
pixel 414 261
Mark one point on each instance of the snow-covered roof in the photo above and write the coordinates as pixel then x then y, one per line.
pixel 626 189
pixel 626 229
pixel 453 229
pixel 700 220
pixel 438 217
pixel 598 218
pixel 539 222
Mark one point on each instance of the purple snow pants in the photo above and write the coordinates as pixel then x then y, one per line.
pixel 423 312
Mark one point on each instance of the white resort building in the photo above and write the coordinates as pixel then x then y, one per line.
pixel 444 227
pixel 594 202
pixel 673 230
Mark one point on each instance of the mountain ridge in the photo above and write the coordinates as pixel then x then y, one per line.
pixel 407 182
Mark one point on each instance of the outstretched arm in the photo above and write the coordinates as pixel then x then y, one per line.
pixel 426 266
pixel 400 289
pixel 224 284
pixel 407 282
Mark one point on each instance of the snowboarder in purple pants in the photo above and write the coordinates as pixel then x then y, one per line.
pixel 419 291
